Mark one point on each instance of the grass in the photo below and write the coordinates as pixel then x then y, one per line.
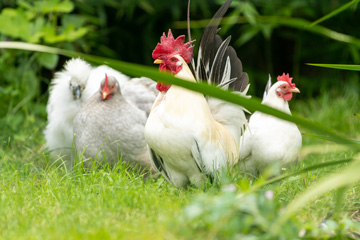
pixel 41 199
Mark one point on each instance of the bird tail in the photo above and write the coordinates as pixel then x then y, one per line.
pixel 217 61
pixel 268 85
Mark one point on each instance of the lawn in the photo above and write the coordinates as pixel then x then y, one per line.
pixel 42 199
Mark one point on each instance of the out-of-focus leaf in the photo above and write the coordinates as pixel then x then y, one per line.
pixel 249 12
pixel 73 20
pixel 337 66
pixel 247 35
pixel 335 12
pixel 72 34
pixel 147 7
pixel 48 60
pixel 48 6
pixel 151 72
pixel 14 23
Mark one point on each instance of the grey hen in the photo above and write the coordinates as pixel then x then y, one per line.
pixel 108 127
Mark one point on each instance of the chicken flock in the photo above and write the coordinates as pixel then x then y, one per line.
pixel 98 115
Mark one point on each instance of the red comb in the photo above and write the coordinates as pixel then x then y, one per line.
pixel 286 78
pixel 106 79
pixel 169 45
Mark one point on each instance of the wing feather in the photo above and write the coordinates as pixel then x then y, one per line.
pixel 158 165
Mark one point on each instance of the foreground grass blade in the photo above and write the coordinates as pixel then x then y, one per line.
pixel 304 170
pixel 337 66
pixel 348 176
pixel 335 12
pixel 297 23
pixel 153 73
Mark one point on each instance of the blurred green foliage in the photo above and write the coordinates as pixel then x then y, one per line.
pixel 129 30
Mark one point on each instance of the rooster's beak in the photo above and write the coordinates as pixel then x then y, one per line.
pixel 295 90
pixel 158 61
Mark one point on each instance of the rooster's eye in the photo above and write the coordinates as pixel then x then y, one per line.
pixel 284 87
pixel 173 59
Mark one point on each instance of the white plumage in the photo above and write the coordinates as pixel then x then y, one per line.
pixel 65 99
pixel 72 87
pixel 191 136
pixel 269 139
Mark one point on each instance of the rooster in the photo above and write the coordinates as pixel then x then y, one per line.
pixel 109 127
pixel 269 139
pixel 189 135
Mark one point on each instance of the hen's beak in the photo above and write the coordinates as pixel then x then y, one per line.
pixel 77 92
pixel 295 90
pixel 158 61
pixel 105 94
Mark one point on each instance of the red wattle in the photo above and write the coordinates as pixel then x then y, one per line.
pixel 288 96
pixel 162 87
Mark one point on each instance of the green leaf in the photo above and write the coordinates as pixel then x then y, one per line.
pixel 71 34
pixel 47 6
pixel 336 66
pixel 335 12
pixel 153 73
pixel 48 60
pixel 14 23
pixel 247 35
pixel 76 21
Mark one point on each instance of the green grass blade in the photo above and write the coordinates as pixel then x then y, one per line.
pixel 333 181
pixel 337 66
pixel 304 170
pixel 153 73
pixel 297 23
pixel 335 12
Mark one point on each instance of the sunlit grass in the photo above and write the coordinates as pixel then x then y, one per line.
pixel 44 200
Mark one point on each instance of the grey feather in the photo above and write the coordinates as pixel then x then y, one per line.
pixel 111 128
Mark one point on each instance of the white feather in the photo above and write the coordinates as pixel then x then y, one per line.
pixel 191 135
pixel 62 107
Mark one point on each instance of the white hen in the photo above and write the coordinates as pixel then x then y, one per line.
pixel 72 87
pixel 268 138
pixel 65 100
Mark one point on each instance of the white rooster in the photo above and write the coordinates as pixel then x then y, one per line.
pixel 189 135
pixel 269 139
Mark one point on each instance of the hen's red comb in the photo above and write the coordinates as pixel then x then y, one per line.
pixel 105 87
pixel 286 78
pixel 169 45
pixel 106 79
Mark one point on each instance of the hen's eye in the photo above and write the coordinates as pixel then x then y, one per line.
pixel 173 59
pixel 284 87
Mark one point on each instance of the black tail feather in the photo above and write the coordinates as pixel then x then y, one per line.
pixel 213 54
